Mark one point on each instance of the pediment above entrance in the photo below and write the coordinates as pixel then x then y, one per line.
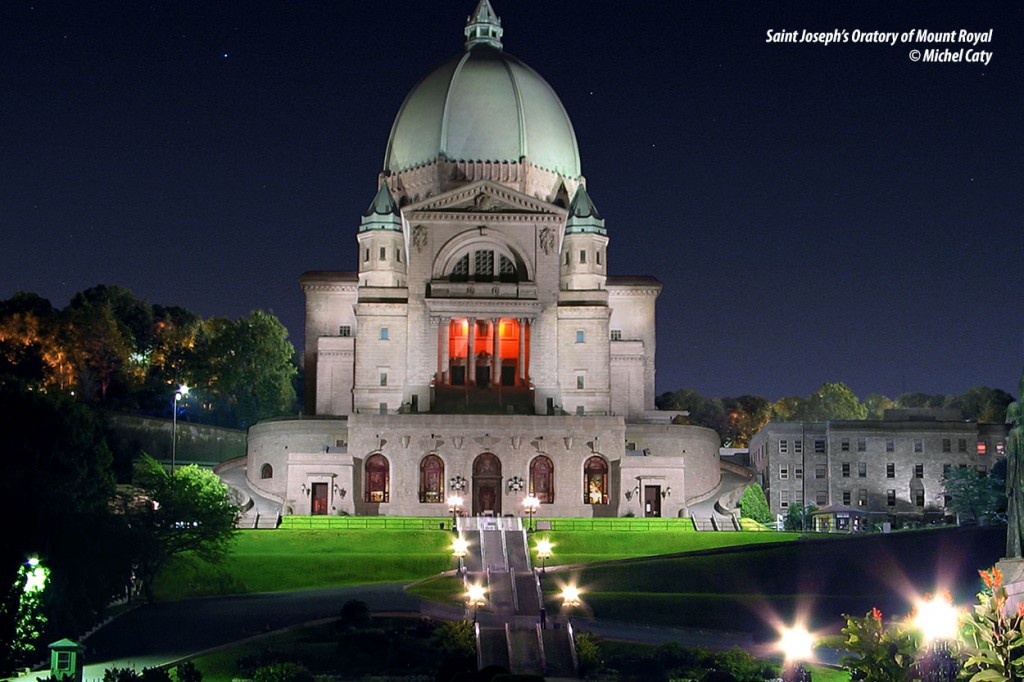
pixel 483 200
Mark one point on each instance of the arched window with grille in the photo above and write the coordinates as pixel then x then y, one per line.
pixel 431 479
pixel 542 479
pixel 378 483
pixel 595 481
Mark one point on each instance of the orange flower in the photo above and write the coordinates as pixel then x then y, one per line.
pixel 877 615
pixel 1020 609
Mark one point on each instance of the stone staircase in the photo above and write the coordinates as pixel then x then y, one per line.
pixel 509 629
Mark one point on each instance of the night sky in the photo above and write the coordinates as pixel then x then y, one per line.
pixel 815 212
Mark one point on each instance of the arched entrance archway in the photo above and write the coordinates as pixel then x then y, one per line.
pixel 487 485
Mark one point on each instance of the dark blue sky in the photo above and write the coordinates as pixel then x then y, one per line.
pixel 816 213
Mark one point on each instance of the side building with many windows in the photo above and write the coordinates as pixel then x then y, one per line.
pixel 893 466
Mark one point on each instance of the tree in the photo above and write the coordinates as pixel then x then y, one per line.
pixel 876 404
pixel 982 404
pixel 745 416
pixel 754 505
pixel 834 400
pixel 173 513
pixel 974 497
pixel 799 517
pixel 58 481
pixel 245 367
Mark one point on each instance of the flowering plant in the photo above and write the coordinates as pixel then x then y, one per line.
pixel 993 635
pixel 879 653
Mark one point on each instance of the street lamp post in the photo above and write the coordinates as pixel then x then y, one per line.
pixel 178 395
pixel 571 596
pixel 531 503
pixel 475 597
pixel 938 619
pixel 797 645
pixel 543 552
pixel 454 504
pixel 460 548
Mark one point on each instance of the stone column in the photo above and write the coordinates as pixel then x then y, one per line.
pixel 495 351
pixel 521 364
pixel 471 353
pixel 441 335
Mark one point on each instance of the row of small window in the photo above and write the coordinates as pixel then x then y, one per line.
pixel 821 498
pixel 382 254
pixel 862 470
pixel 583 257
pixel 890 446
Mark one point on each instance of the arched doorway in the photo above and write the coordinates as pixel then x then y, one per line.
pixel 487 485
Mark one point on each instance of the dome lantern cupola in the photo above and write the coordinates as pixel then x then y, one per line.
pixel 483 27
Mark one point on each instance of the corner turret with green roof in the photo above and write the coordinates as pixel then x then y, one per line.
pixel 383 213
pixel 583 216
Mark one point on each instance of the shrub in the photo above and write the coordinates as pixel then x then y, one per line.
pixel 120 675
pixel 354 614
pixel 188 672
pixel 754 505
pixel 588 653
pixel 282 672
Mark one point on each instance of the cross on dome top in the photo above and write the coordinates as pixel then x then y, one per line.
pixel 483 27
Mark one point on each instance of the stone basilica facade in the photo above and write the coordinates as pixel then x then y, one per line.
pixel 482 348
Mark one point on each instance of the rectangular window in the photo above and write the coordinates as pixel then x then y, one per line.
pixel 918 471
pixel 580 336
pixel 961 445
pixel 846 469
pixel 383 333
pixel 799 497
pixel 890 445
pixel 798 472
pixel 919 498
pixel 862 444
pixel 383 254
pixel 580 382
pixel 597 255
pixel 819 446
pixel 398 255
pixel 890 498
pixel 383 378
pixel 798 447
pixel 946 468
pixel 821 498
pixel 844 445
pixel 982 447
pixel 846 497
pixel 819 471
pixel 1000 449
pixel 890 470
pixel 616 335
pixel 783 498
pixel 583 256
pixel 366 256
pixel 862 497
pixel 344 330
pixel 982 470
pixel 783 447
pixel 783 472
pixel 918 445
pixel 862 469
pixel 947 445
pixel 566 257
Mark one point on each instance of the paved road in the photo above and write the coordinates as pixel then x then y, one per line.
pixel 160 633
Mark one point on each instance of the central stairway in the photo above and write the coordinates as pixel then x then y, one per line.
pixel 510 630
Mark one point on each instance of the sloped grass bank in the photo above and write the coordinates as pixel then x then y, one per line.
pixel 270 561
pixel 747 588
pixel 578 547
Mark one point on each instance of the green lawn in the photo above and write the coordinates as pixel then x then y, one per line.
pixel 268 561
pixel 379 549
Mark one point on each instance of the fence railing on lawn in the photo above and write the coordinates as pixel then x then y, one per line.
pixel 365 522
pixel 625 523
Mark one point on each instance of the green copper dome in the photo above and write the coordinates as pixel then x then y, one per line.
pixel 483 105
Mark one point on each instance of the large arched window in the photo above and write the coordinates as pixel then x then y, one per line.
pixel 484 265
pixel 595 481
pixel 378 483
pixel 431 479
pixel 542 479
pixel 266 471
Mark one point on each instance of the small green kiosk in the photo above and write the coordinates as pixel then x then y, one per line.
pixel 66 660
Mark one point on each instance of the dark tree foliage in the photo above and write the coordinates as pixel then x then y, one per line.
pixel 57 481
